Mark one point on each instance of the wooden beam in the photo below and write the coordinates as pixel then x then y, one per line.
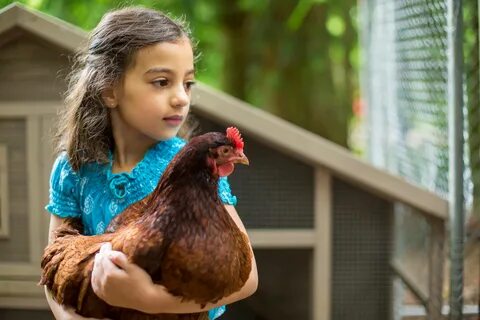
pixel 21 288
pixel 281 238
pixel 4 198
pixel 29 303
pixel 28 108
pixel 35 188
pixel 322 254
pixel 435 269
pixel 409 282
pixel 19 269
pixel 53 29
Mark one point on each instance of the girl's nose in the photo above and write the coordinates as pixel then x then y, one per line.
pixel 180 98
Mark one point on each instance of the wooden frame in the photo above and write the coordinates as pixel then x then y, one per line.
pixel 292 140
pixel 431 298
pixel 45 26
pixel 18 280
pixel 4 207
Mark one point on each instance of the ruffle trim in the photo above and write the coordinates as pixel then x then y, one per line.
pixel 216 312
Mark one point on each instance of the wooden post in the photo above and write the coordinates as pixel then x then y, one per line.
pixel 435 272
pixel 322 255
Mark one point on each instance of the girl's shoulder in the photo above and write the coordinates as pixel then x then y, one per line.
pixel 62 169
pixel 163 152
pixel 171 146
pixel 63 187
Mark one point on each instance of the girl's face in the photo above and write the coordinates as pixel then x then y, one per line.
pixel 153 99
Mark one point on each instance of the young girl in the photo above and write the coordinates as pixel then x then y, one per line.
pixel 125 105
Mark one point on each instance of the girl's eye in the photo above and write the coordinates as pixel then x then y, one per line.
pixel 189 84
pixel 160 83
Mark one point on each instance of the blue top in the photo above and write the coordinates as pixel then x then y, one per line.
pixel 96 195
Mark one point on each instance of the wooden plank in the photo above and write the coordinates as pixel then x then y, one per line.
pixel 53 29
pixel 9 17
pixel 31 303
pixel 419 312
pixel 19 269
pixel 47 158
pixel 322 253
pixel 4 194
pixel 435 272
pixel 280 238
pixel 28 108
pixel 289 138
pixel 20 288
pixel 410 282
pixel 34 187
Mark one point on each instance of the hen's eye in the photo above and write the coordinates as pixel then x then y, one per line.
pixel 225 150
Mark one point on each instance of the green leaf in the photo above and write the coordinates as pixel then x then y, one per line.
pixel 335 25
pixel 298 14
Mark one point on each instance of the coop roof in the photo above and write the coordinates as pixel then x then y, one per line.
pixel 273 131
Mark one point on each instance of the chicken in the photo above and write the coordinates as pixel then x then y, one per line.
pixel 181 234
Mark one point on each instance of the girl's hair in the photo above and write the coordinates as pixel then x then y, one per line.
pixel 84 129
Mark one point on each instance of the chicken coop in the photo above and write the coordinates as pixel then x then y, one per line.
pixel 320 220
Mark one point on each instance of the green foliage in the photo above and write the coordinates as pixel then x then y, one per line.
pixel 296 59
pixel 472 85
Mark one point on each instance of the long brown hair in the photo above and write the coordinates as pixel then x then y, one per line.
pixel 84 129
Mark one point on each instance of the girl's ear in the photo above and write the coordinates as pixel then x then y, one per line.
pixel 109 98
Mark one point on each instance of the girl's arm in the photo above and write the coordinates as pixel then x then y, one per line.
pixel 60 312
pixel 124 284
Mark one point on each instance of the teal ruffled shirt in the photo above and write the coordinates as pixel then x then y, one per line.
pixel 96 195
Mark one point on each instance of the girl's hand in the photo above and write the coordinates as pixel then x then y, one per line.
pixel 119 282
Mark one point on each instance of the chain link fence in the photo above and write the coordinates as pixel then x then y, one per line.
pixel 405 86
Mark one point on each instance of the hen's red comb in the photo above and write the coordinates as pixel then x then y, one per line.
pixel 234 135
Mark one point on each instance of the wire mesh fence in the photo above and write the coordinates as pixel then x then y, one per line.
pixel 405 84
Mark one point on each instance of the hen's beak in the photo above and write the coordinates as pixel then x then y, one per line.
pixel 240 157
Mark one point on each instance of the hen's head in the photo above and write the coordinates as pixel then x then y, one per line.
pixel 218 151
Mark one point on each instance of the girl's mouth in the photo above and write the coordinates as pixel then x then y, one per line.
pixel 173 120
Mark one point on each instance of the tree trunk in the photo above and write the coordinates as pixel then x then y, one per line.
pixel 233 21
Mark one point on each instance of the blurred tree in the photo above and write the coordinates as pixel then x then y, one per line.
pixel 285 57
pixel 294 58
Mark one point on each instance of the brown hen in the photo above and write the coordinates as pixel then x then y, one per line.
pixel 181 235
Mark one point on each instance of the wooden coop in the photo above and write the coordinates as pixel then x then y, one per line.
pixel 320 219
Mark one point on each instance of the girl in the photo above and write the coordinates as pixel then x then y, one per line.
pixel 125 105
